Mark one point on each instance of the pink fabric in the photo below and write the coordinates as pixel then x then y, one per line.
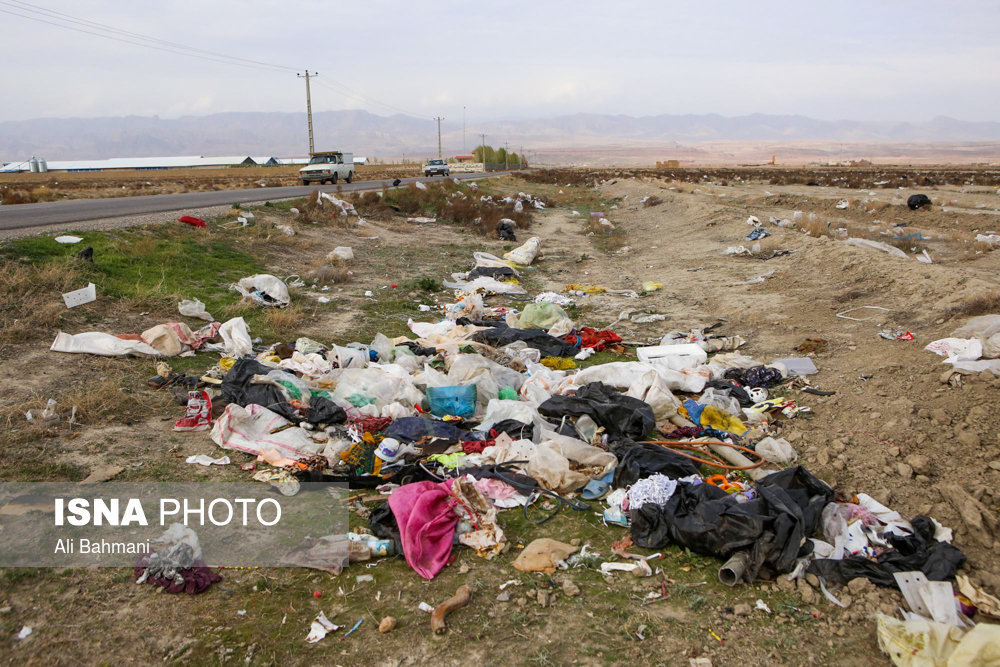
pixel 427 523
pixel 495 489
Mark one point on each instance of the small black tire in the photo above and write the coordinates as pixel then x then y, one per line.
pixel 350 177
pixel 333 179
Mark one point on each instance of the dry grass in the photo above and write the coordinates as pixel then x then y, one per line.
pixel 28 298
pixel 981 304
pixel 284 319
pixel 329 272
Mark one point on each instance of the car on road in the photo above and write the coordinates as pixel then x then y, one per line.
pixel 328 166
pixel 436 168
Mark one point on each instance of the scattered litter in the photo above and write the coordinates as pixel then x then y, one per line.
pixel 341 252
pixel 194 308
pixel 754 281
pixel 206 460
pixel 80 296
pixel 264 289
pixel 421 219
pixel 757 234
pixel 321 627
pixel 191 220
pixel 843 314
pixel 24 633
pixel 68 239
pixel 877 245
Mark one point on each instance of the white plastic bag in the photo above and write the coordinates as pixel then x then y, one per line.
pixel 525 254
pixel 236 338
pixel 776 450
pixel 720 399
pixel 987 329
pixel 194 308
pixel 264 289
pixel 956 349
pixel 341 252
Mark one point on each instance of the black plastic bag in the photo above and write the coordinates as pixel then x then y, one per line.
pixel 937 560
pixel 771 528
pixel 621 416
pixel 917 201
pixel 505 231
pixel 515 429
pixel 498 272
pixel 499 335
pixel 736 391
pixel 237 388
pixel 758 376
pixel 640 460
pixel 702 517
pixel 411 429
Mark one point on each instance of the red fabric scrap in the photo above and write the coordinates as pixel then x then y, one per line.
pixel 191 220
pixel 590 337
pixel 476 446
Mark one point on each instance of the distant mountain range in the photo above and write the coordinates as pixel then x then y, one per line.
pixel 363 133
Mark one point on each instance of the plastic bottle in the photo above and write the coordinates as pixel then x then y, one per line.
pixel 378 547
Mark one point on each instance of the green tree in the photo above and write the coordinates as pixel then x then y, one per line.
pixel 501 155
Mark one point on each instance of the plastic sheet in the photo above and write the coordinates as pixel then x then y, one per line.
pixel 920 551
pixel 194 308
pixel 621 416
pixel 707 520
pixel 103 344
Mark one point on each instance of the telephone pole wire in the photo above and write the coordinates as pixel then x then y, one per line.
pixel 439 119
pixel 309 108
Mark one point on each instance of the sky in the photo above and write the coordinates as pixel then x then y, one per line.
pixel 891 60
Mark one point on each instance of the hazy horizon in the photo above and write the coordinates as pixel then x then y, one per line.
pixel 893 62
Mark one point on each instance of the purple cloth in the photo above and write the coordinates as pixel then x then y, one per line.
pixel 426 520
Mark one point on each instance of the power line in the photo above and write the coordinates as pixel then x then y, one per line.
pixel 60 16
pixel 68 22
pixel 126 41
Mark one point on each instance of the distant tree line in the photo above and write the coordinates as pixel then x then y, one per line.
pixel 500 155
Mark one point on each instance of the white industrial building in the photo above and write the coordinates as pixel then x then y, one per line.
pixel 148 163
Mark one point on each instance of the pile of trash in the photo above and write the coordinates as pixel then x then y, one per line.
pixel 485 411
pixel 972 348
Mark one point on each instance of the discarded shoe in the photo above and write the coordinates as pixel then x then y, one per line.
pixel 199 413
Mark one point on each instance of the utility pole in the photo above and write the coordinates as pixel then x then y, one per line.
pixel 506 154
pixel 309 108
pixel 463 131
pixel 484 149
pixel 439 119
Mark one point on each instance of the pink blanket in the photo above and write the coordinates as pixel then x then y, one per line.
pixel 427 523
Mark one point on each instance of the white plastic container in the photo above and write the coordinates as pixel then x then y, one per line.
pixel 795 366
pixel 674 357
pixel 80 296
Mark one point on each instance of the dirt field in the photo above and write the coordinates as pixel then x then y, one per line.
pixel 27 187
pixel 893 429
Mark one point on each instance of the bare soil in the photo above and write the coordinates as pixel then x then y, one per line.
pixel 890 404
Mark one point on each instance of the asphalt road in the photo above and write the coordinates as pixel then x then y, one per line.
pixel 26 216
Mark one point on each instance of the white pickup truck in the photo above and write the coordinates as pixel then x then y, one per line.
pixel 328 166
